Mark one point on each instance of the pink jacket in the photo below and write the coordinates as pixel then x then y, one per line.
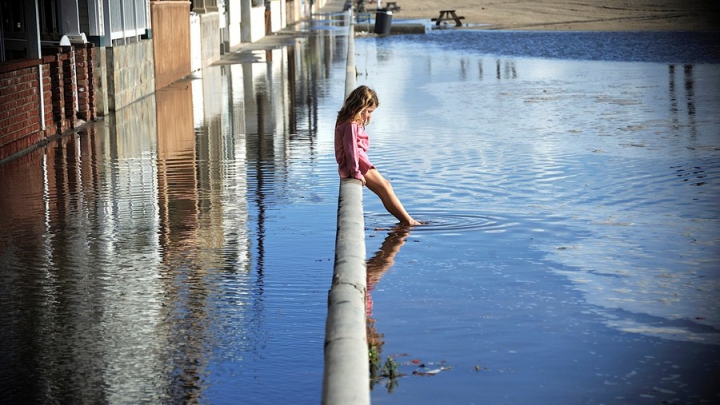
pixel 351 146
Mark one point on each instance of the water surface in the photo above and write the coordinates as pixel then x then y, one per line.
pixel 572 251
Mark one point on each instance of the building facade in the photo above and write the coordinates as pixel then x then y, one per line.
pixel 66 62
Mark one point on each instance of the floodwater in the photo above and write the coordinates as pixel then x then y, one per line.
pixel 572 254
pixel 181 250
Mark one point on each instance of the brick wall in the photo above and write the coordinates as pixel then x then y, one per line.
pixel 20 121
pixel 62 73
pixel 47 97
pixel 69 86
pixel 57 94
pixel 85 75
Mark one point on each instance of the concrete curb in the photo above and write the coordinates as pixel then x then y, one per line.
pixel 347 370
pixel 350 70
pixel 395 29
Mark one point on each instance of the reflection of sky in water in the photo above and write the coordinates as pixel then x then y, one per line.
pixel 623 157
pixel 654 241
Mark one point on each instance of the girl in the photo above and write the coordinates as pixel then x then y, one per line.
pixel 351 146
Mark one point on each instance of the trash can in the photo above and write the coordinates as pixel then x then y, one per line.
pixel 383 21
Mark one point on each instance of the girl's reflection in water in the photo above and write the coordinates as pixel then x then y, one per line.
pixel 380 263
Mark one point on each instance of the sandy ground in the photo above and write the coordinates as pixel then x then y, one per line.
pixel 586 15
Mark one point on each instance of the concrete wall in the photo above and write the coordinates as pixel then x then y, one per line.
pixel 131 73
pixel 209 38
pixel 291 11
pixel 278 17
pixel 294 11
pixel 100 81
pixel 257 27
pixel 195 43
pixel 234 23
pixel 171 40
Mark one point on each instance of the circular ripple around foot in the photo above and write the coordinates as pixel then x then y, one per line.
pixel 443 222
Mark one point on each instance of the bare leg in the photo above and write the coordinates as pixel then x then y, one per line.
pixel 380 186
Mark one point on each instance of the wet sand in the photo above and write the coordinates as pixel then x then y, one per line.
pixel 584 15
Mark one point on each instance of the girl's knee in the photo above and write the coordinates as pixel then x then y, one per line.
pixel 380 183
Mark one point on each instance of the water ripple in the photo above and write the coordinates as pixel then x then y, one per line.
pixel 446 222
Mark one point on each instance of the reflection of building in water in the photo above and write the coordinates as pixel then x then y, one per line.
pixel 35 312
pixel 676 94
pixel 183 271
pixel 96 261
pixel 505 70
pixel 128 173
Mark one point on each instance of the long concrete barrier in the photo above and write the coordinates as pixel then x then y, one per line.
pixel 346 372
pixel 395 29
pixel 350 69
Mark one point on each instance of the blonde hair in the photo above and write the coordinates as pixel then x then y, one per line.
pixel 356 102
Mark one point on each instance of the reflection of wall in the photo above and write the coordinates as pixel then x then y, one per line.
pixel 134 128
pixel 235 181
pixel 210 149
pixel 184 271
pixel 22 196
pixel 306 67
pixel 258 113
pixel 175 128
pixel 72 199
pixel 267 107
pixel 212 83
pixel 125 256
pixel 22 184
pixel 89 274
pixel 684 93
pixel 280 104
pixel 177 180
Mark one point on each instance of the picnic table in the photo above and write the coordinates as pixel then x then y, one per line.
pixel 446 15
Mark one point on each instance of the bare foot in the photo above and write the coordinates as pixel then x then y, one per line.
pixel 412 222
